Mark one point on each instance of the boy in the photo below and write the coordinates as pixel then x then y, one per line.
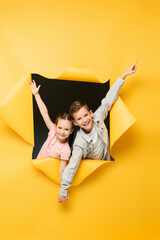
pixel 92 139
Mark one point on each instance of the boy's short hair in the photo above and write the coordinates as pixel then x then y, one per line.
pixel 64 116
pixel 76 106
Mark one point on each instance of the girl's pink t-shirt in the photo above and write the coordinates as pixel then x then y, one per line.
pixel 53 148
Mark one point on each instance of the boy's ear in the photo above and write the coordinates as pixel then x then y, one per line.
pixel 91 113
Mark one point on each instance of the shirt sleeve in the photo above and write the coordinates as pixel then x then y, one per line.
pixel 109 99
pixel 70 170
pixel 52 131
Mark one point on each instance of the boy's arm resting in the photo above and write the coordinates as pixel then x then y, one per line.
pixel 109 99
pixel 70 170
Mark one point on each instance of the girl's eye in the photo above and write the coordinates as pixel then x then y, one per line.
pixel 67 129
pixel 59 127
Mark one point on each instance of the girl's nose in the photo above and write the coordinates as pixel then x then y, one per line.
pixel 63 131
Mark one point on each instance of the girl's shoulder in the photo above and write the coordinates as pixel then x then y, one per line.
pixel 52 130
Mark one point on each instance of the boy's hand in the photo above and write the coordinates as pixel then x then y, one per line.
pixel 34 87
pixel 62 198
pixel 129 71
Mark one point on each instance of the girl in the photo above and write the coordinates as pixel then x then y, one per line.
pixel 56 145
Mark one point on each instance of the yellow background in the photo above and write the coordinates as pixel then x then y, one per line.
pixel 118 201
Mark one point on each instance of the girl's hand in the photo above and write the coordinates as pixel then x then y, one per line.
pixel 130 70
pixel 34 87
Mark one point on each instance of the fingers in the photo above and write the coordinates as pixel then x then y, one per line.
pixel 39 87
pixel 62 198
pixel 134 64
pixel 133 68
pixel 33 85
pixel 32 82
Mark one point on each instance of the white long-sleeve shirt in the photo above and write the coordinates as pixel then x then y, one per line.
pixel 83 146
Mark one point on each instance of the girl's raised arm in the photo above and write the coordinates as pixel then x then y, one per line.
pixel 42 107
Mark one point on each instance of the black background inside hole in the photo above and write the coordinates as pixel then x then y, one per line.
pixel 58 95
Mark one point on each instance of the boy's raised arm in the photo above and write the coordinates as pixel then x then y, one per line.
pixel 129 71
pixel 112 94
pixel 42 107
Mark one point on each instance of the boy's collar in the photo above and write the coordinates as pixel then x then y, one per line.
pixel 85 135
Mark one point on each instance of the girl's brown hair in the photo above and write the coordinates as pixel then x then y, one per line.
pixel 64 116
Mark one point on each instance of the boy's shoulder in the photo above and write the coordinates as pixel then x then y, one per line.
pixel 80 139
pixel 81 142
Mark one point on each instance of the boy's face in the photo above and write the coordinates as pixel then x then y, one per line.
pixel 83 119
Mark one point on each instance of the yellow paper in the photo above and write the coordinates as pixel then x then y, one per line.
pixel 118 201
pixel 120 120
pixel 17 111
pixel 18 104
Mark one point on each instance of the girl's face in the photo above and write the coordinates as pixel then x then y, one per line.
pixel 63 129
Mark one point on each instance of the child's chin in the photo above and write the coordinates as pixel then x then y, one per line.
pixel 62 138
pixel 87 130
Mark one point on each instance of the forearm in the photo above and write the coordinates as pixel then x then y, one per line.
pixel 70 171
pixel 44 111
pixel 42 107
pixel 62 167
pixel 123 76
pixel 112 94
pixel 109 99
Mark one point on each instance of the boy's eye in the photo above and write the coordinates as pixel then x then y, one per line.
pixel 79 119
pixel 86 114
pixel 59 127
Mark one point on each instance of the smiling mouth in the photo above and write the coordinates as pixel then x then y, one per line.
pixel 86 124
pixel 61 135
